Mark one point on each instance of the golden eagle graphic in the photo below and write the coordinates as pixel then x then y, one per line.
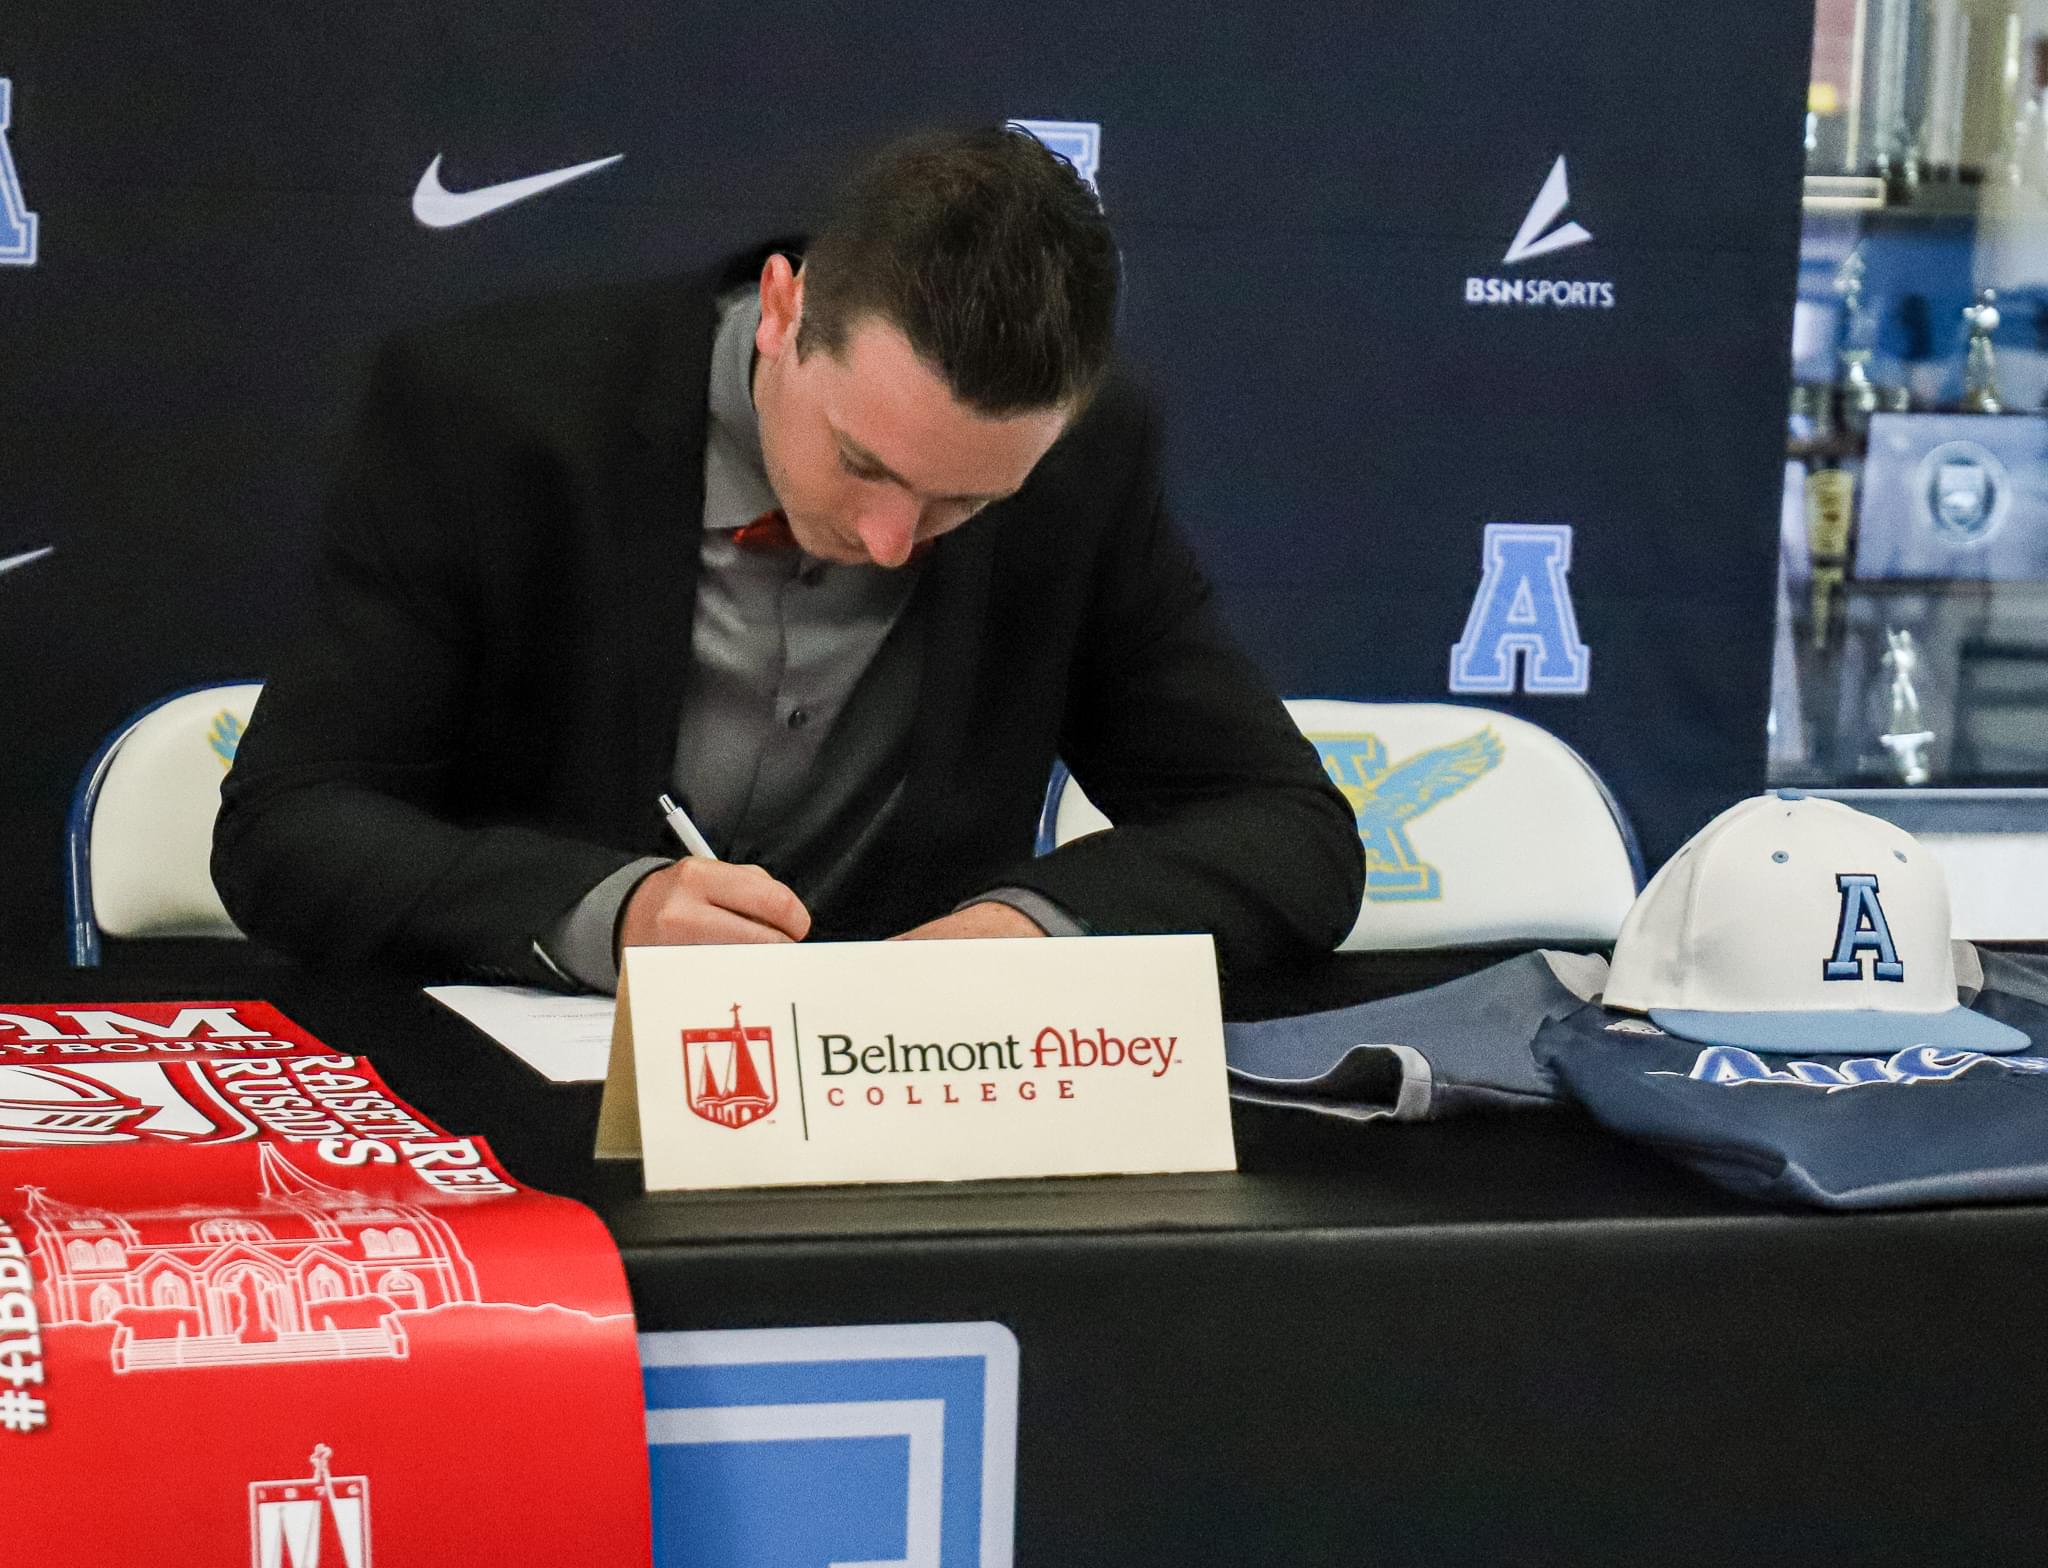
pixel 1386 798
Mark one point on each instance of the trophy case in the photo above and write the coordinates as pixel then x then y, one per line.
pixel 1911 667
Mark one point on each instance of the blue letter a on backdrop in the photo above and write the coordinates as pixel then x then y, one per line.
pixel 1523 610
pixel 17 223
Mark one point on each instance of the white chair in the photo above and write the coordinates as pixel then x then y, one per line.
pixel 141 828
pixel 1479 827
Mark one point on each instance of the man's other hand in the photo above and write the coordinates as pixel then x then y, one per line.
pixel 696 901
pixel 975 920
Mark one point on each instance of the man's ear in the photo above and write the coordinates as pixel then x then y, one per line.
pixel 782 307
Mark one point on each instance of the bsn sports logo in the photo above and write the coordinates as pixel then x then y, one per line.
pixel 1522 621
pixel 1862 929
pixel 1386 797
pixel 1536 237
pixel 17 223
pixel 729 1072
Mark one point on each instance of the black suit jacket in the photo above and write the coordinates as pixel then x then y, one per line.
pixel 473 731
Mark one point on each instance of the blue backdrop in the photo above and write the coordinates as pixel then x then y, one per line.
pixel 1312 204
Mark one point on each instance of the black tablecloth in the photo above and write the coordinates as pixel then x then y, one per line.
pixel 1503 1340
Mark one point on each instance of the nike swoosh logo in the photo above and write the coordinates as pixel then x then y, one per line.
pixel 9 563
pixel 440 208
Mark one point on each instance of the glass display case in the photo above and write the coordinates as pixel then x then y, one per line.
pixel 1911 669
pixel 1913 614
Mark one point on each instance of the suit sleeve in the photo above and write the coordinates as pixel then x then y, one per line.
pixel 1224 819
pixel 343 834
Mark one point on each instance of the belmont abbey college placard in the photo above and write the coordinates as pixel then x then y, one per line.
pixel 918 1061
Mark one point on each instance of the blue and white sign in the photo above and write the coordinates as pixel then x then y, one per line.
pixel 17 223
pixel 870 1447
pixel 1077 141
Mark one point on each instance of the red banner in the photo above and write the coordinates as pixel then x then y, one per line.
pixel 254 1307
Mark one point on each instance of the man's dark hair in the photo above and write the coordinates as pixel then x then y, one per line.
pixel 987 252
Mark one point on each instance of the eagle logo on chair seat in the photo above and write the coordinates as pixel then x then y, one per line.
pixel 1386 797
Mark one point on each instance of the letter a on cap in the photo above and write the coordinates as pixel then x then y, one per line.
pixel 1862 928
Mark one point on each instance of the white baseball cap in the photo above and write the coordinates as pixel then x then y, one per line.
pixel 1793 924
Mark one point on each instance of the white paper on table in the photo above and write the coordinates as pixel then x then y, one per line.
pixel 565 1038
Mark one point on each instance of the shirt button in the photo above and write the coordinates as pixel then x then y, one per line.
pixel 798 718
pixel 812 575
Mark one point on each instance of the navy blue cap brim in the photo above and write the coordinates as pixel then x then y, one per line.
pixel 1844 1033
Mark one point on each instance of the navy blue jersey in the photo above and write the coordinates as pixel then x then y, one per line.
pixel 1917 1126
pixel 1460 1046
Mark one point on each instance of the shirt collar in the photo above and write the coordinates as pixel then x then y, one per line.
pixel 731 400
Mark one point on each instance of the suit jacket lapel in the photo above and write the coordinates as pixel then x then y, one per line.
pixel 660 522
pixel 954 597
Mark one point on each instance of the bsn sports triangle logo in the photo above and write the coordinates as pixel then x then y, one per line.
pixel 1530 240
pixel 1542 234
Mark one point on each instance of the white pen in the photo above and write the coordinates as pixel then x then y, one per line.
pixel 686 830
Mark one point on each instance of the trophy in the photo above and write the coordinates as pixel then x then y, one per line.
pixel 1830 510
pixel 1898 48
pixel 1860 395
pixel 1906 735
pixel 1948 85
pixel 2024 153
pixel 2025 150
pixel 1980 371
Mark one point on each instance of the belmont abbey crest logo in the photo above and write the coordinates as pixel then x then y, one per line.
pixel 729 1072
pixel 1385 797
pixel 319 1521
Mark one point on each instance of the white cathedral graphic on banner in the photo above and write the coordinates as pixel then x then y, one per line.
pixel 307 1272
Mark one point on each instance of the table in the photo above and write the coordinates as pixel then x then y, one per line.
pixel 1503 1340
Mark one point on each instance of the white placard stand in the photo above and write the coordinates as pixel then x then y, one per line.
pixel 789 1064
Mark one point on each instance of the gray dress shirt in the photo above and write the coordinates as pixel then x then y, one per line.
pixel 802 687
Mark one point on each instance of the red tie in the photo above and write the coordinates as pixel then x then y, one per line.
pixel 767 534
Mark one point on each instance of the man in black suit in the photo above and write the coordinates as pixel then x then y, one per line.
pixel 712 538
